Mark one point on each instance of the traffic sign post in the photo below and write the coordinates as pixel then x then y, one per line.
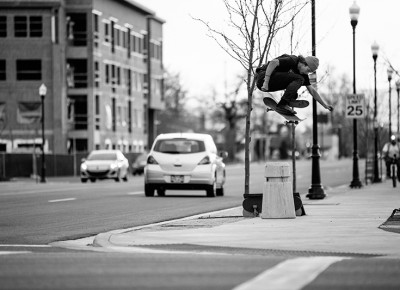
pixel 355 106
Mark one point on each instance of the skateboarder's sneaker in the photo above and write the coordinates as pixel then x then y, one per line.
pixel 298 103
pixel 285 109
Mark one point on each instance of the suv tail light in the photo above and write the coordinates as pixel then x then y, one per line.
pixel 151 160
pixel 205 160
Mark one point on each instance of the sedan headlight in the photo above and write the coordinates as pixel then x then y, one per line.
pixel 113 166
pixel 151 160
pixel 83 166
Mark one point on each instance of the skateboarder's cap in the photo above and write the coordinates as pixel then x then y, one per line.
pixel 312 63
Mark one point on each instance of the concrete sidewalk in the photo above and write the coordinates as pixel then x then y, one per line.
pixel 346 222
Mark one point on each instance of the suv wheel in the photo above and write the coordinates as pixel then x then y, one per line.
pixel 161 192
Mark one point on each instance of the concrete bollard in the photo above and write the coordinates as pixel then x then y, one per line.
pixel 277 192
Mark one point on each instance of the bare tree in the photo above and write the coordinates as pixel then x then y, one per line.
pixel 254 23
pixel 231 110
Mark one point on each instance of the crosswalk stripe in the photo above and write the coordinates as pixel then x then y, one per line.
pixel 292 274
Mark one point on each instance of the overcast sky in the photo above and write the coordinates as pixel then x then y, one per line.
pixel 203 64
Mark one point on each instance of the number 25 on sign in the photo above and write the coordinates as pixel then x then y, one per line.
pixel 355 106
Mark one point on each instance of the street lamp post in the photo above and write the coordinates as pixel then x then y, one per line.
pixel 390 73
pixel 42 93
pixel 354 13
pixel 316 191
pixel 375 49
pixel 398 106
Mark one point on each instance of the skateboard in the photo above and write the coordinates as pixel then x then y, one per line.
pixel 271 103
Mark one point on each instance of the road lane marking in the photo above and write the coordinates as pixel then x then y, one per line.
pixel 24 246
pixel 136 193
pixel 291 274
pixel 63 199
pixel 14 252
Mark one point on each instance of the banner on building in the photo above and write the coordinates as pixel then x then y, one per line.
pixel 29 112
pixel 2 112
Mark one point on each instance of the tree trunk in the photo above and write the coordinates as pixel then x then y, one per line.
pixel 248 140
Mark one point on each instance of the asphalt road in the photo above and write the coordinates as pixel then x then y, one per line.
pixel 33 215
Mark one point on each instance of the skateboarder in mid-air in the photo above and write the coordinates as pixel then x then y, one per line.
pixel 289 73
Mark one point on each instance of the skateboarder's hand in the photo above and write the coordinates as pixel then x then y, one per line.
pixel 329 107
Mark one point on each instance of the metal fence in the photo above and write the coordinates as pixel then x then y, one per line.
pixel 30 164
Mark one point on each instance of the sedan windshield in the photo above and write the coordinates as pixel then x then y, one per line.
pixel 103 156
pixel 179 146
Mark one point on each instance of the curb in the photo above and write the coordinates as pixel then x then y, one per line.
pixel 104 239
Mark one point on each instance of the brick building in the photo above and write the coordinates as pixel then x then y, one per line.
pixel 101 61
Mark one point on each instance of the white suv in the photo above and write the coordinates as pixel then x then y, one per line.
pixel 184 161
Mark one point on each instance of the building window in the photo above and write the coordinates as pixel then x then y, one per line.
pixel 114 113
pixel 2 69
pixel 156 87
pixel 120 116
pixel 78 112
pixel 97 77
pixel 137 44
pixel 97 112
pixel 117 35
pixel 112 32
pixel 144 119
pixel 129 117
pixel 20 26
pixel 125 39
pixel 128 81
pixel 107 73
pixel 77 29
pixel 155 50
pixel 118 75
pixel 80 73
pixel 113 76
pixel 96 33
pixel 22 23
pixel 3 26
pixel 35 26
pixel 107 34
pixel 29 69
pixel 97 105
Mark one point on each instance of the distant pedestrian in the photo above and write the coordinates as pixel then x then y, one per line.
pixel 289 73
pixel 390 149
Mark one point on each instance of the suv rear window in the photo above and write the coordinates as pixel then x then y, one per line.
pixel 179 146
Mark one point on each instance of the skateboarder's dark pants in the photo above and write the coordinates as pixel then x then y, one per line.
pixel 290 82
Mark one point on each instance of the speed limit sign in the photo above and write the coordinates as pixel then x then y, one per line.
pixel 355 106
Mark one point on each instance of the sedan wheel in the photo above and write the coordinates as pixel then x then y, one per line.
pixel 117 179
pixel 148 190
pixel 211 190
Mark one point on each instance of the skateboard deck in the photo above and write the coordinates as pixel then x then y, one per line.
pixel 271 103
